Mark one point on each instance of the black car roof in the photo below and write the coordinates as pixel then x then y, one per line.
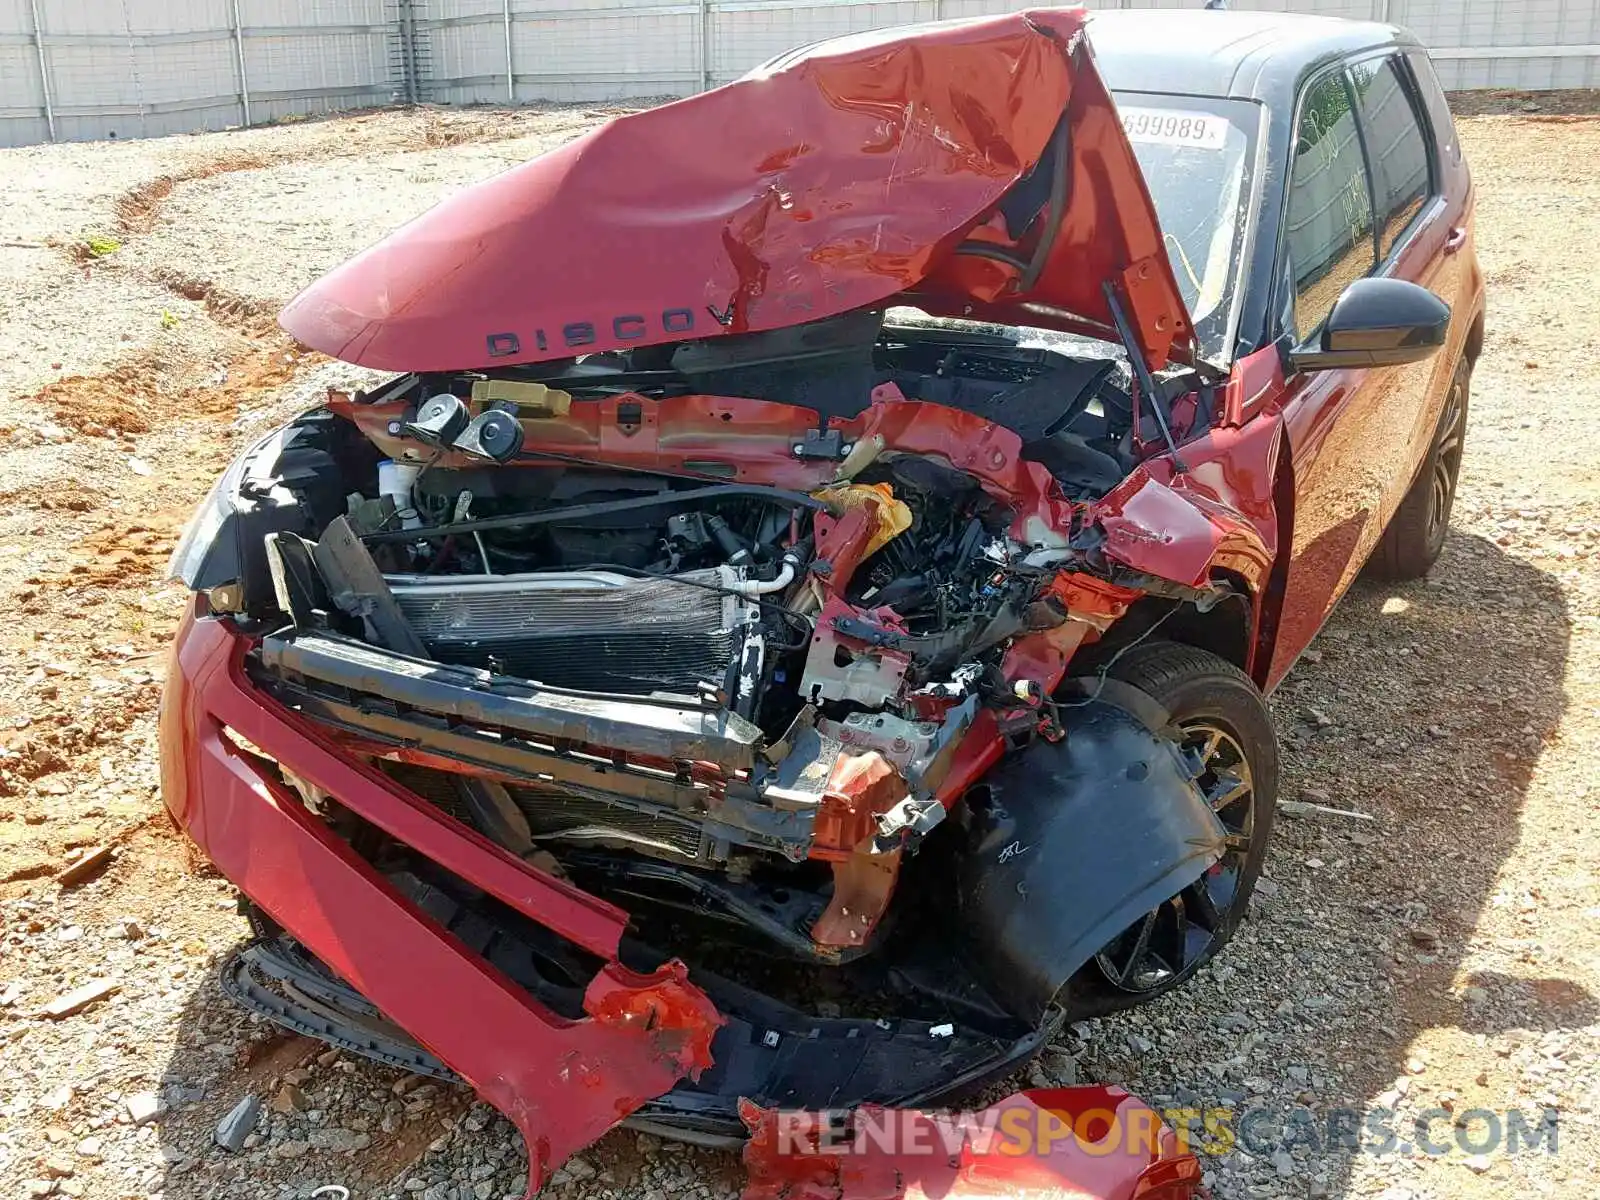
pixel 1201 52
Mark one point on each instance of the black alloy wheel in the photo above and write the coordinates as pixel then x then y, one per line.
pixel 1227 737
pixel 1185 930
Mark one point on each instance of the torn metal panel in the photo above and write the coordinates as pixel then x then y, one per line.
pixel 838 176
pixel 1097 1143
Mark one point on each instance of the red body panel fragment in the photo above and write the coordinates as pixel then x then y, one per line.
pixel 1094 1143
pixel 562 1082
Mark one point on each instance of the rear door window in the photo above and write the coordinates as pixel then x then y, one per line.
pixel 1329 207
pixel 1396 146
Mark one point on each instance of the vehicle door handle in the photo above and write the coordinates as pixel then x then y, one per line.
pixel 1456 239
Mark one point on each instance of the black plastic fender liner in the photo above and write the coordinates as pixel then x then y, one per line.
pixel 1070 843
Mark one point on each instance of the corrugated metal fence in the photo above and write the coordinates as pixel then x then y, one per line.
pixel 72 70
pixel 82 69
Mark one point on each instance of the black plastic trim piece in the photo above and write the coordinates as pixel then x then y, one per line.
pixel 1075 841
pixel 316 1014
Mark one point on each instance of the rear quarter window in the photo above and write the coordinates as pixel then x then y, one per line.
pixel 1438 108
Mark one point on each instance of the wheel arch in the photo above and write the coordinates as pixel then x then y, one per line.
pixel 1074 841
pixel 1226 629
pixel 1474 345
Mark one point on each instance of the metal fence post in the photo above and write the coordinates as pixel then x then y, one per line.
pixel 511 78
pixel 44 70
pixel 705 45
pixel 406 58
pixel 133 62
pixel 238 52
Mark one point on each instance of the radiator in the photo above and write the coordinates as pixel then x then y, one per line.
pixel 589 630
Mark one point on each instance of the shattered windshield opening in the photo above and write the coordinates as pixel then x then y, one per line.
pixel 1197 154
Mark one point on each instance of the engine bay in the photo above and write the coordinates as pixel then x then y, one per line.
pixel 865 620
pixel 638 581
pixel 626 584
pixel 704 627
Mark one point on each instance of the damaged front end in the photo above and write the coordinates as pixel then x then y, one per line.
pixel 764 748
pixel 718 720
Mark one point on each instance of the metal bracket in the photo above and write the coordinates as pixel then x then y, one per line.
pixel 821 443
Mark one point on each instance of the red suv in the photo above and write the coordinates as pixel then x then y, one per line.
pixel 795 627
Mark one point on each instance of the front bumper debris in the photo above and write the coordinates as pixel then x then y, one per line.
pixel 275 980
pixel 425 1000
pixel 561 1082
pixel 1078 1142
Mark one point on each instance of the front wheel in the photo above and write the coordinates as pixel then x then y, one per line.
pixel 1228 737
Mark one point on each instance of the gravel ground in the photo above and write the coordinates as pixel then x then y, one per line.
pixel 1441 956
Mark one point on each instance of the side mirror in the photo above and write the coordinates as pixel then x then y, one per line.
pixel 1377 323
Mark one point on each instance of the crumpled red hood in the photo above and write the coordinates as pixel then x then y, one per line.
pixel 833 178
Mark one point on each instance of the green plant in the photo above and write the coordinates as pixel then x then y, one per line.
pixel 99 245
pixel 170 319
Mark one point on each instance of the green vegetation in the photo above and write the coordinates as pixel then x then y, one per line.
pixel 100 245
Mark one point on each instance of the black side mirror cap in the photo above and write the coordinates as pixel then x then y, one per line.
pixel 1377 323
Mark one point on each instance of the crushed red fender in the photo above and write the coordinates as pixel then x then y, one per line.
pixel 1086 1142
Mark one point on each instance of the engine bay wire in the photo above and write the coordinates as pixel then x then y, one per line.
pixel 806 627
pixel 1105 669
pixel 641 573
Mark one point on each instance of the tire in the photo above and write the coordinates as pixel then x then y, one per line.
pixel 1206 696
pixel 1411 544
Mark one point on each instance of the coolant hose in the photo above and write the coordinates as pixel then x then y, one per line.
pixel 763 587
pixel 760 587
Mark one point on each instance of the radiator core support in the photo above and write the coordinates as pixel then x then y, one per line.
pixel 599 630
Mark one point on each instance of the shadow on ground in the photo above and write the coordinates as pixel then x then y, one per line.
pixel 1442 695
